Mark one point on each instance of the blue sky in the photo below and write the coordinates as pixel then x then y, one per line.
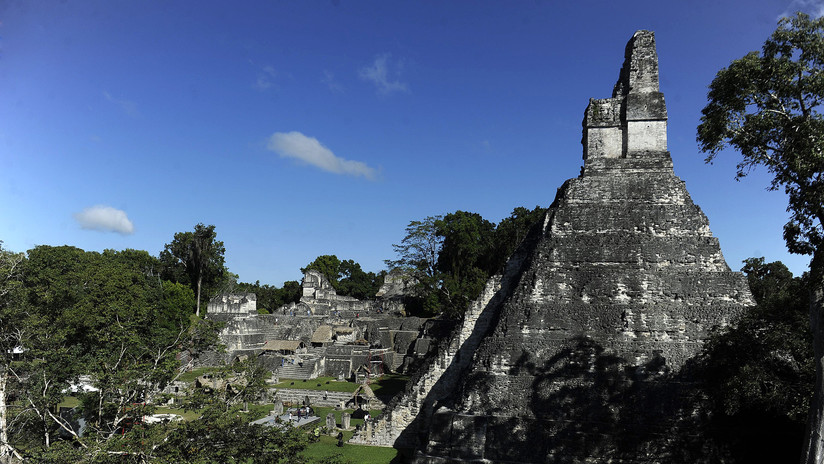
pixel 323 127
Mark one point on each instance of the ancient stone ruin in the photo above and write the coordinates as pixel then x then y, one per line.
pixel 323 334
pixel 579 351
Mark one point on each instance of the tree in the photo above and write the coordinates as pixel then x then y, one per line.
pixel 346 277
pixel 221 436
pixel 465 259
pixel 105 316
pixel 328 265
pixel 768 106
pixel 418 262
pixel 289 293
pixel 759 373
pixel 511 231
pixel 195 258
pixel 12 332
pixel 418 251
pixel 357 283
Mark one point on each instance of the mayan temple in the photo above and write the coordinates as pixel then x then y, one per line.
pixel 577 352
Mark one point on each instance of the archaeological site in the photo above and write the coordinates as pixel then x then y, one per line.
pixel 580 350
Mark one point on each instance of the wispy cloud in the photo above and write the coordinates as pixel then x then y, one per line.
pixel 266 78
pixel 329 80
pixel 106 219
pixel 129 107
pixel 310 150
pixel 814 8
pixel 384 74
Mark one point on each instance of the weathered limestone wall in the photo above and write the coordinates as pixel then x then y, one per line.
pixel 233 303
pixel 315 397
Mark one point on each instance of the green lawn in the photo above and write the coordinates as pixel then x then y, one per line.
pixel 194 373
pixel 386 386
pixel 320 383
pixel 69 402
pixel 328 446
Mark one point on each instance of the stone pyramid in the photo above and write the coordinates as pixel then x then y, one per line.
pixel 575 353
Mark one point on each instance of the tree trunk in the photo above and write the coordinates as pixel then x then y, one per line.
pixel 199 280
pixel 8 454
pixel 4 433
pixel 814 438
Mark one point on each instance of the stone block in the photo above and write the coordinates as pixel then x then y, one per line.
pixel 645 106
pixel 331 425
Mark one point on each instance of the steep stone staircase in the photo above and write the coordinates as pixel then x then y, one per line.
pixel 438 379
pixel 297 371
pixel 405 422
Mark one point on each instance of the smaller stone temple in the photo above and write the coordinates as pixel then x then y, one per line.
pixel 320 298
pixel 233 303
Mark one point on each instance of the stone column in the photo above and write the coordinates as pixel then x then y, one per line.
pixel 345 421
pixel 278 409
pixel 331 425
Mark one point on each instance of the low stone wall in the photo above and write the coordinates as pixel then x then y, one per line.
pixel 318 397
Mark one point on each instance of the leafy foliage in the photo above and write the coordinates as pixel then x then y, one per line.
pixel 195 258
pixel 449 258
pixel 418 251
pixel 768 106
pixel 347 277
pixel 105 317
pixel 418 264
pixel 228 437
pixel 760 374
pixel 269 297
pixel 765 363
pixel 464 258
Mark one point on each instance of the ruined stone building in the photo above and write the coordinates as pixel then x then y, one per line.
pixel 579 351
pixel 320 298
pixel 323 334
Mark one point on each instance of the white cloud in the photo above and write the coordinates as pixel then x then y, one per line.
pixel 384 75
pixel 106 219
pixel 814 8
pixel 310 150
pixel 129 107
pixel 266 78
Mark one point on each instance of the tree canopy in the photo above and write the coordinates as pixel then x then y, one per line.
pixel 760 372
pixel 108 317
pixel 347 277
pixel 195 258
pixel 449 258
pixel 768 106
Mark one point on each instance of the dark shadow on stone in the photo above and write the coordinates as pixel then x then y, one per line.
pixel 585 404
